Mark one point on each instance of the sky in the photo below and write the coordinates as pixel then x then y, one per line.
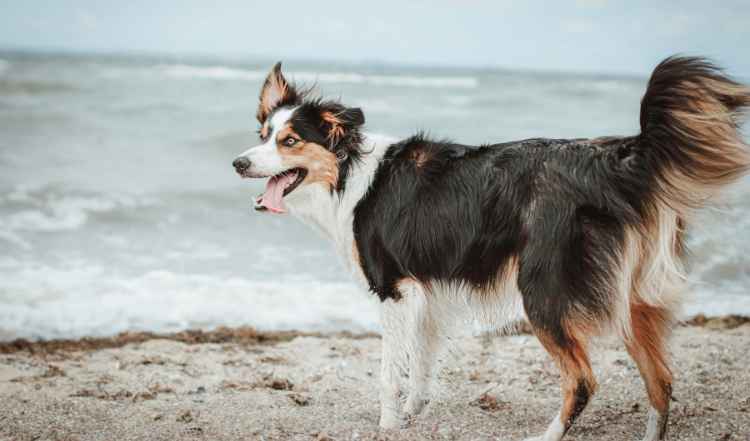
pixel 577 35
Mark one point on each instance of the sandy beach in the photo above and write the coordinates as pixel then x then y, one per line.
pixel 238 384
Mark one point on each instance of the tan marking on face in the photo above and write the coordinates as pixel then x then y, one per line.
pixel 264 131
pixel 320 163
pixel 286 132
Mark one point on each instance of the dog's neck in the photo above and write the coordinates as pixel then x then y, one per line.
pixel 332 213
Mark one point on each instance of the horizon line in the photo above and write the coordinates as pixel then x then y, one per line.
pixel 254 57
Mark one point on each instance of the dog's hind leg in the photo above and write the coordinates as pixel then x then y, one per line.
pixel 578 382
pixel 647 347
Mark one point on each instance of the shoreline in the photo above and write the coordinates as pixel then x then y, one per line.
pixel 247 335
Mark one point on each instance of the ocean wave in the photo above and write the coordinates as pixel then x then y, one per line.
pixel 226 73
pixel 210 72
pixel 73 302
pixel 42 301
pixel 4 65
pixel 51 211
pixel 463 82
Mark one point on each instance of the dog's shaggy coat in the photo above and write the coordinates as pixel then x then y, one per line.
pixel 580 237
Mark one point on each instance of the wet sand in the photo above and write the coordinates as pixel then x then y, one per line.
pixel 239 384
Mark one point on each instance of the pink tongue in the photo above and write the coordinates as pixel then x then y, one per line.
pixel 272 197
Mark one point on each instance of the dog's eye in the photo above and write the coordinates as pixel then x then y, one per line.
pixel 289 141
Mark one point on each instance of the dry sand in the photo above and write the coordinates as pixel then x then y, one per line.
pixel 243 385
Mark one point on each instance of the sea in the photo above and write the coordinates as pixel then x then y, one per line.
pixel 120 210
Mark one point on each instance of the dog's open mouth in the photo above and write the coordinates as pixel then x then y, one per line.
pixel 277 187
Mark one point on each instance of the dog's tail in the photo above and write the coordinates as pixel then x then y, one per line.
pixel 690 138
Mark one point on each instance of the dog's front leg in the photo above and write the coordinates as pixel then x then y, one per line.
pixel 390 404
pixel 410 339
pixel 421 344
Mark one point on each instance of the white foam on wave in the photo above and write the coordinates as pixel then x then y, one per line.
pixel 86 300
pixel 64 214
pixel 89 300
pixel 185 71
pixel 464 82
pixel 210 72
pixel 52 211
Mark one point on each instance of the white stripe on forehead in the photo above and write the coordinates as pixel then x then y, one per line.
pixel 279 119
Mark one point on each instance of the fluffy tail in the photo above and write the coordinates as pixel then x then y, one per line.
pixel 690 135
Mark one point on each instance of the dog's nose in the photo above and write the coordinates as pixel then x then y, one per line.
pixel 241 164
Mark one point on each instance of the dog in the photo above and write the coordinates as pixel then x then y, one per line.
pixel 579 237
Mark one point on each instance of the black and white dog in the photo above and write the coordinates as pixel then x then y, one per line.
pixel 580 237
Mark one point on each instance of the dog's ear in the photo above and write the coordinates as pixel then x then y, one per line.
pixel 336 123
pixel 276 91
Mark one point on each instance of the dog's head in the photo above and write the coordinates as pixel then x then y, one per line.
pixel 304 143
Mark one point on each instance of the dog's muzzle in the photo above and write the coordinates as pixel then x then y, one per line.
pixel 241 165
